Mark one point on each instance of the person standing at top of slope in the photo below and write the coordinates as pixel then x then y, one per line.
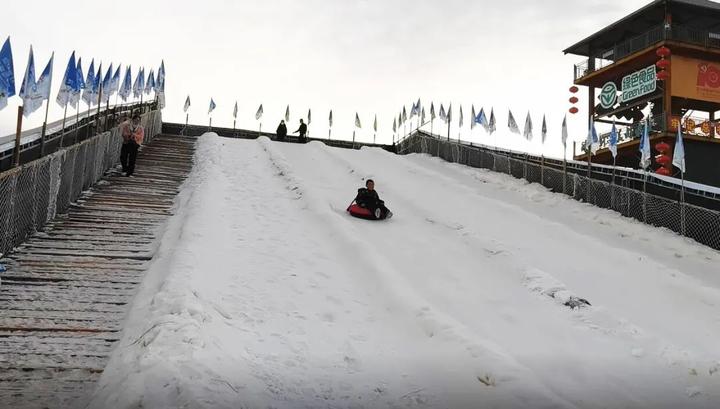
pixel 281 131
pixel 368 198
pixel 302 131
pixel 133 135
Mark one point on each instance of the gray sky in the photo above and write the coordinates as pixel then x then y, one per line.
pixel 369 56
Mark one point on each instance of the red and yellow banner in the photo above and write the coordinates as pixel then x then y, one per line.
pixel 695 79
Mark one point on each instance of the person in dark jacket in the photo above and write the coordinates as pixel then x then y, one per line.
pixel 302 131
pixel 281 131
pixel 368 198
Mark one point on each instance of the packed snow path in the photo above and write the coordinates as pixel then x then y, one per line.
pixel 265 293
pixel 64 296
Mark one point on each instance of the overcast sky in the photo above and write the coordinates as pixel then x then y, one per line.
pixel 369 56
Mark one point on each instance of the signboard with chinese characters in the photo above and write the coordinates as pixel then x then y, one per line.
pixel 638 84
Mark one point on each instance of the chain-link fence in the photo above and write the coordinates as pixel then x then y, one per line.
pixel 32 194
pixel 699 223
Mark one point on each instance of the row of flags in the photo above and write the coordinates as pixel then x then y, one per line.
pixel 260 111
pixel 477 119
pixel 93 88
pixel 678 159
pixel 489 123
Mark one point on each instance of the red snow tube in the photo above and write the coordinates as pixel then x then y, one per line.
pixel 360 212
pixel 363 213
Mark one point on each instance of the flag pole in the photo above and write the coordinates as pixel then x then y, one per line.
pixel 187 116
pixel 682 202
pixel 44 129
pixel 18 132
pixel 62 133
pixel 77 120
pixel 353 143
pixel 99 102
pixel 564 166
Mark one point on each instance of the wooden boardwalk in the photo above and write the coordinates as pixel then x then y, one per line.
pixel 66 291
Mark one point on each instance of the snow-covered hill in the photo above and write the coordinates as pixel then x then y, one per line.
pixel 265 293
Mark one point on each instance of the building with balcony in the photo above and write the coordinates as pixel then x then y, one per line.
pixel 624 70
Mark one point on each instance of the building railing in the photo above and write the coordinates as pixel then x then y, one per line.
pixel 653 36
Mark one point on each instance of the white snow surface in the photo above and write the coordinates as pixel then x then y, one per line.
pixel 265 293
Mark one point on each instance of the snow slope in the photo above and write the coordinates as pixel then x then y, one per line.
pixel 265 293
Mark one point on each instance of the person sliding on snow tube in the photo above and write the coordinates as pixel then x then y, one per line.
pixel 368 204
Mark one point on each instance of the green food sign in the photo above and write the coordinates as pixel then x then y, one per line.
pixel 639 83
pixel 634 86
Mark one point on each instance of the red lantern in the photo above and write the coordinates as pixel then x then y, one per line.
pixel 574 100
pixel 663 52
pixel 663 64
pixel 574 110
pixel 574 89
pixel 663 171
pixel 662 147
pixel 663 160
pixel 663 75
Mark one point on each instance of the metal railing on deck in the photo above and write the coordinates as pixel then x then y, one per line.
pixel 652 36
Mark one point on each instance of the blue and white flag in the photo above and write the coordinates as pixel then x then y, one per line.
pixel 512 124
pixel 443 114
pixel 330 118
pixel 461 116
pixel 126 87
pixel 87 96
pixel 96 85
pixel 212 106
pixel 357 121
pixel 77 91
pixel 44 83
pixel 543 131
pixel 481 119
pixel 593 142
pixel 613 141
pixel 491 124
pixel 139 85
pixel 259 113
pixel 432 111
pixel 528 131
pixel 7 74
pixel 150 85
pixel 235 111
pixel 645 155
pixel 160 85
pixel 564 135
pixel 679 151
pixel 107 85
pixel 115 81
pixel 69 82
pixel 415 109
pixel 287 114
pixel 28 86
pixel 309 116
pixel 187 104
pixel 449 114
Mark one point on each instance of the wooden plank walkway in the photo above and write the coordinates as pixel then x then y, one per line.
pixel 65 294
